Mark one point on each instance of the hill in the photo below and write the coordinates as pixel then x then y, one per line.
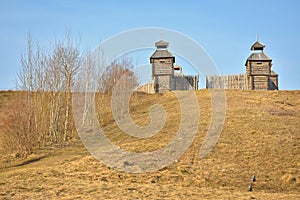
pixel 261 136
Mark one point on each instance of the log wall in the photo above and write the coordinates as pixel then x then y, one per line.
pixel 238 82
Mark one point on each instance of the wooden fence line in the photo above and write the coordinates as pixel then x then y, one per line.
pixel 237 81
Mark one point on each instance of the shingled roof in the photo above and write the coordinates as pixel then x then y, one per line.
pixel 162 51
pixel 162 54
pixel 161 44
pixel 258 57
pixel 257 46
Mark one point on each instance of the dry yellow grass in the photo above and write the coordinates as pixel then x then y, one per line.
pixel 261 136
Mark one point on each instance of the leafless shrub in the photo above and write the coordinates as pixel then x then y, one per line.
pixel 43 115
pixel 21 130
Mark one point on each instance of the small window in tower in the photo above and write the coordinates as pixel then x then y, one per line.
pixel 162 61
pixel 259 63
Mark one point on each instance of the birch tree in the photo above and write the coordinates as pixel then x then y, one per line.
pixel 66 57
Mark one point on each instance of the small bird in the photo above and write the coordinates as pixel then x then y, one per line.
pixel 253 178
pixel 250 188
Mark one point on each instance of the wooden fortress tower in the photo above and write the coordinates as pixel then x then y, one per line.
pixel 163 68
pixel 258 76
pixel 258 70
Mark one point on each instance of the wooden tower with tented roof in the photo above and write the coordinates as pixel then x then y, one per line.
pixel 258 70
pixel 162 67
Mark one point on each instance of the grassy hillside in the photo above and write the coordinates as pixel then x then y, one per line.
pixel 261 136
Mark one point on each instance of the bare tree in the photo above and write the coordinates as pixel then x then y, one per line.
pixel 113 73
pixel 55 87
pixel 66 57
pixel 47 79
pixel 22 118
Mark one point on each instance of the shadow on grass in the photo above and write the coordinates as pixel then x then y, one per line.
pixel 29 161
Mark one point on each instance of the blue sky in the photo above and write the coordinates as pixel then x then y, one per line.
pixel 225 29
